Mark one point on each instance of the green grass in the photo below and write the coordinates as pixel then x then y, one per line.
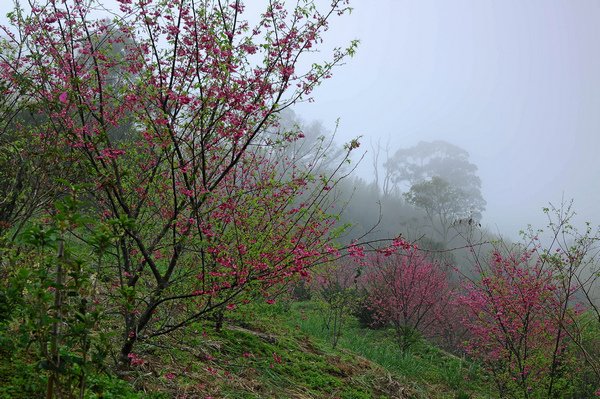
pixel 258 360
pixel 425 367
pixel 23 379
pixel 271 351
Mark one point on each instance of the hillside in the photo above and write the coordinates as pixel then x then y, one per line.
pixel 276 351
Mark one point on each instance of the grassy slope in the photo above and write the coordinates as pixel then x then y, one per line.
pixel 431 372
pixel 283 352
pixel 279 352
pixel 264 358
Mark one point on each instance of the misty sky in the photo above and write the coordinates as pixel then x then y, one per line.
pixel 516 83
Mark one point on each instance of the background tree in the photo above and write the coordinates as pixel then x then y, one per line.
pixel 382 180
pixel 337 286
pixel 425 160
pixel 443 204
pixel 438 178
pixel 313 145
pixel 25 177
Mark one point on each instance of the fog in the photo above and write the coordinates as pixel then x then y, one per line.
pixel 516 84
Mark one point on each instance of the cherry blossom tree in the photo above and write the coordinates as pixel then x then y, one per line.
pixel 195 210
pixel 516 324
pixel 407 290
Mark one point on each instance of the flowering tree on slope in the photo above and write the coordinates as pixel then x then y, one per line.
pixel 408 291
pixel 517 326
pixel 194 210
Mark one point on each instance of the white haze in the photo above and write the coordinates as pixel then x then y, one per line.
pixel 515 83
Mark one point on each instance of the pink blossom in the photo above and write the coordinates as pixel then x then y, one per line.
pixel 111 153
pixel 135 360
pixel 64 97
pixel 170 376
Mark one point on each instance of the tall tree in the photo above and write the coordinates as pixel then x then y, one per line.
pixel 443 203
pixel 439 178
pixel 436 158
pixel 196 209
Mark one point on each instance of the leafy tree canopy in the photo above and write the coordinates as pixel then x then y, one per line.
pixel 437 176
